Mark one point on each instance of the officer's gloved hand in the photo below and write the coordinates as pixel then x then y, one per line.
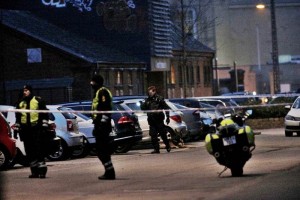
pixel 15 134
pixel 16 127
pixel 105 119
pixel 16 130
pixel 45 124
pixel 168 120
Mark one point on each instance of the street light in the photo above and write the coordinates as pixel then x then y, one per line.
pixel 275 62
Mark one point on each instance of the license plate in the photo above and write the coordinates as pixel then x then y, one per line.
pixel 229 140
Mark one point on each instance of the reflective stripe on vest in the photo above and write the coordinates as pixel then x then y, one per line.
pixel 96 100
pixel 34 116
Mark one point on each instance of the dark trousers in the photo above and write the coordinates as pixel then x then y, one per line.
pixel 104 143
pixel 158 129
pixel 35 147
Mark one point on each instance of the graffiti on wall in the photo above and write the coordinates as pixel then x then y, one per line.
pixel 82 5
pixel 117 15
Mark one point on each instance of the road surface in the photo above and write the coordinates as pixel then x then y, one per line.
pixel 185 173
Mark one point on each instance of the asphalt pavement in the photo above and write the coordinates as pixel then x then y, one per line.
pixel 188 173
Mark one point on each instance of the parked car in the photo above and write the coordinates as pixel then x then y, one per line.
pixel 177 129
pixel 244 98
pixel 126 127
pixel 20 157
pixel 66 128
pixel 198 122
pixel 292 119
pixel 223 104
pixel 86 126
pixel 7 145
pixel 195 103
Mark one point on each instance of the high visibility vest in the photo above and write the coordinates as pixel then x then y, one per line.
pixel 96 100
pixel 34 116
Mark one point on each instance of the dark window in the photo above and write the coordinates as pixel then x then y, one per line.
pixel 198 75
pixel 207 74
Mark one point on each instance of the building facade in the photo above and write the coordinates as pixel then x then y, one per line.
pixel 57 47
pixel 241 34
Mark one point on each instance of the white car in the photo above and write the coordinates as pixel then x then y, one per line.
pixel 66 128
pixel 85 127
pixel 177 128
pixel 292 119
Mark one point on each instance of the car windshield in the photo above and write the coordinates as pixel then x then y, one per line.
pixel 134 105
pixel 296 105
pixel 178 106
pixel 67 115
pixel 82 116
pixel 118 107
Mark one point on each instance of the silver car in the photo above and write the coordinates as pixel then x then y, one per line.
pixel 292 119
pixel 198 122
pixel 67 129
pixel 177 128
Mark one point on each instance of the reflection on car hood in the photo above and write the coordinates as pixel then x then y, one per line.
pixel 294 112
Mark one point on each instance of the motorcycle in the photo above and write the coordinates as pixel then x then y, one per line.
pixel 231 142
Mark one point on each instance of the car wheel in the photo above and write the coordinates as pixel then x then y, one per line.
pixel 83 151
pixel 174 137
pixel 123 148
pixel 4 158
pixel 62 154
pixel 288 134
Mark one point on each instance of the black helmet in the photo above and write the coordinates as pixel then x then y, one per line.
pixel 27 87
pixel 98 79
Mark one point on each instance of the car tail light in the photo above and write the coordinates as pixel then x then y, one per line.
pixel 70 126
pixel 176 118
pixel 125 119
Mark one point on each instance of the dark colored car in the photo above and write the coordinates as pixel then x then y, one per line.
pixel 198 122
pixel 224 105
pixel 126 126
pixel 8 148
pixel 195 103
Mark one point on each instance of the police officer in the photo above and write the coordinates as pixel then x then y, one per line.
pixel 32 127
pixel 102 126
pixel 156 119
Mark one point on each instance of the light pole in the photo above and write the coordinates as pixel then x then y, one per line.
pixel 275 62
pixel 275 49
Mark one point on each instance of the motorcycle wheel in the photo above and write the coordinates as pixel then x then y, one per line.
pixel 237 171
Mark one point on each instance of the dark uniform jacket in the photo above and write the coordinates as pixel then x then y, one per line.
pixel 155 102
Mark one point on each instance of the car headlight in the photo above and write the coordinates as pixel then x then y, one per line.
pixel 289 117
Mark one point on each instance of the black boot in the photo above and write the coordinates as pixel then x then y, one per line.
pixel 155 151
pixel 168 147
pixel 108 175
pixel 109 171
pixel 34 170
pixel 42 170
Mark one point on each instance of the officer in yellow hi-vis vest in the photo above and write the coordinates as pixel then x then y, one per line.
pixel 32 127
pixel 102 101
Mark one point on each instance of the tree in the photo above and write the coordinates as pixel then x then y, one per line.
pixel 192 18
